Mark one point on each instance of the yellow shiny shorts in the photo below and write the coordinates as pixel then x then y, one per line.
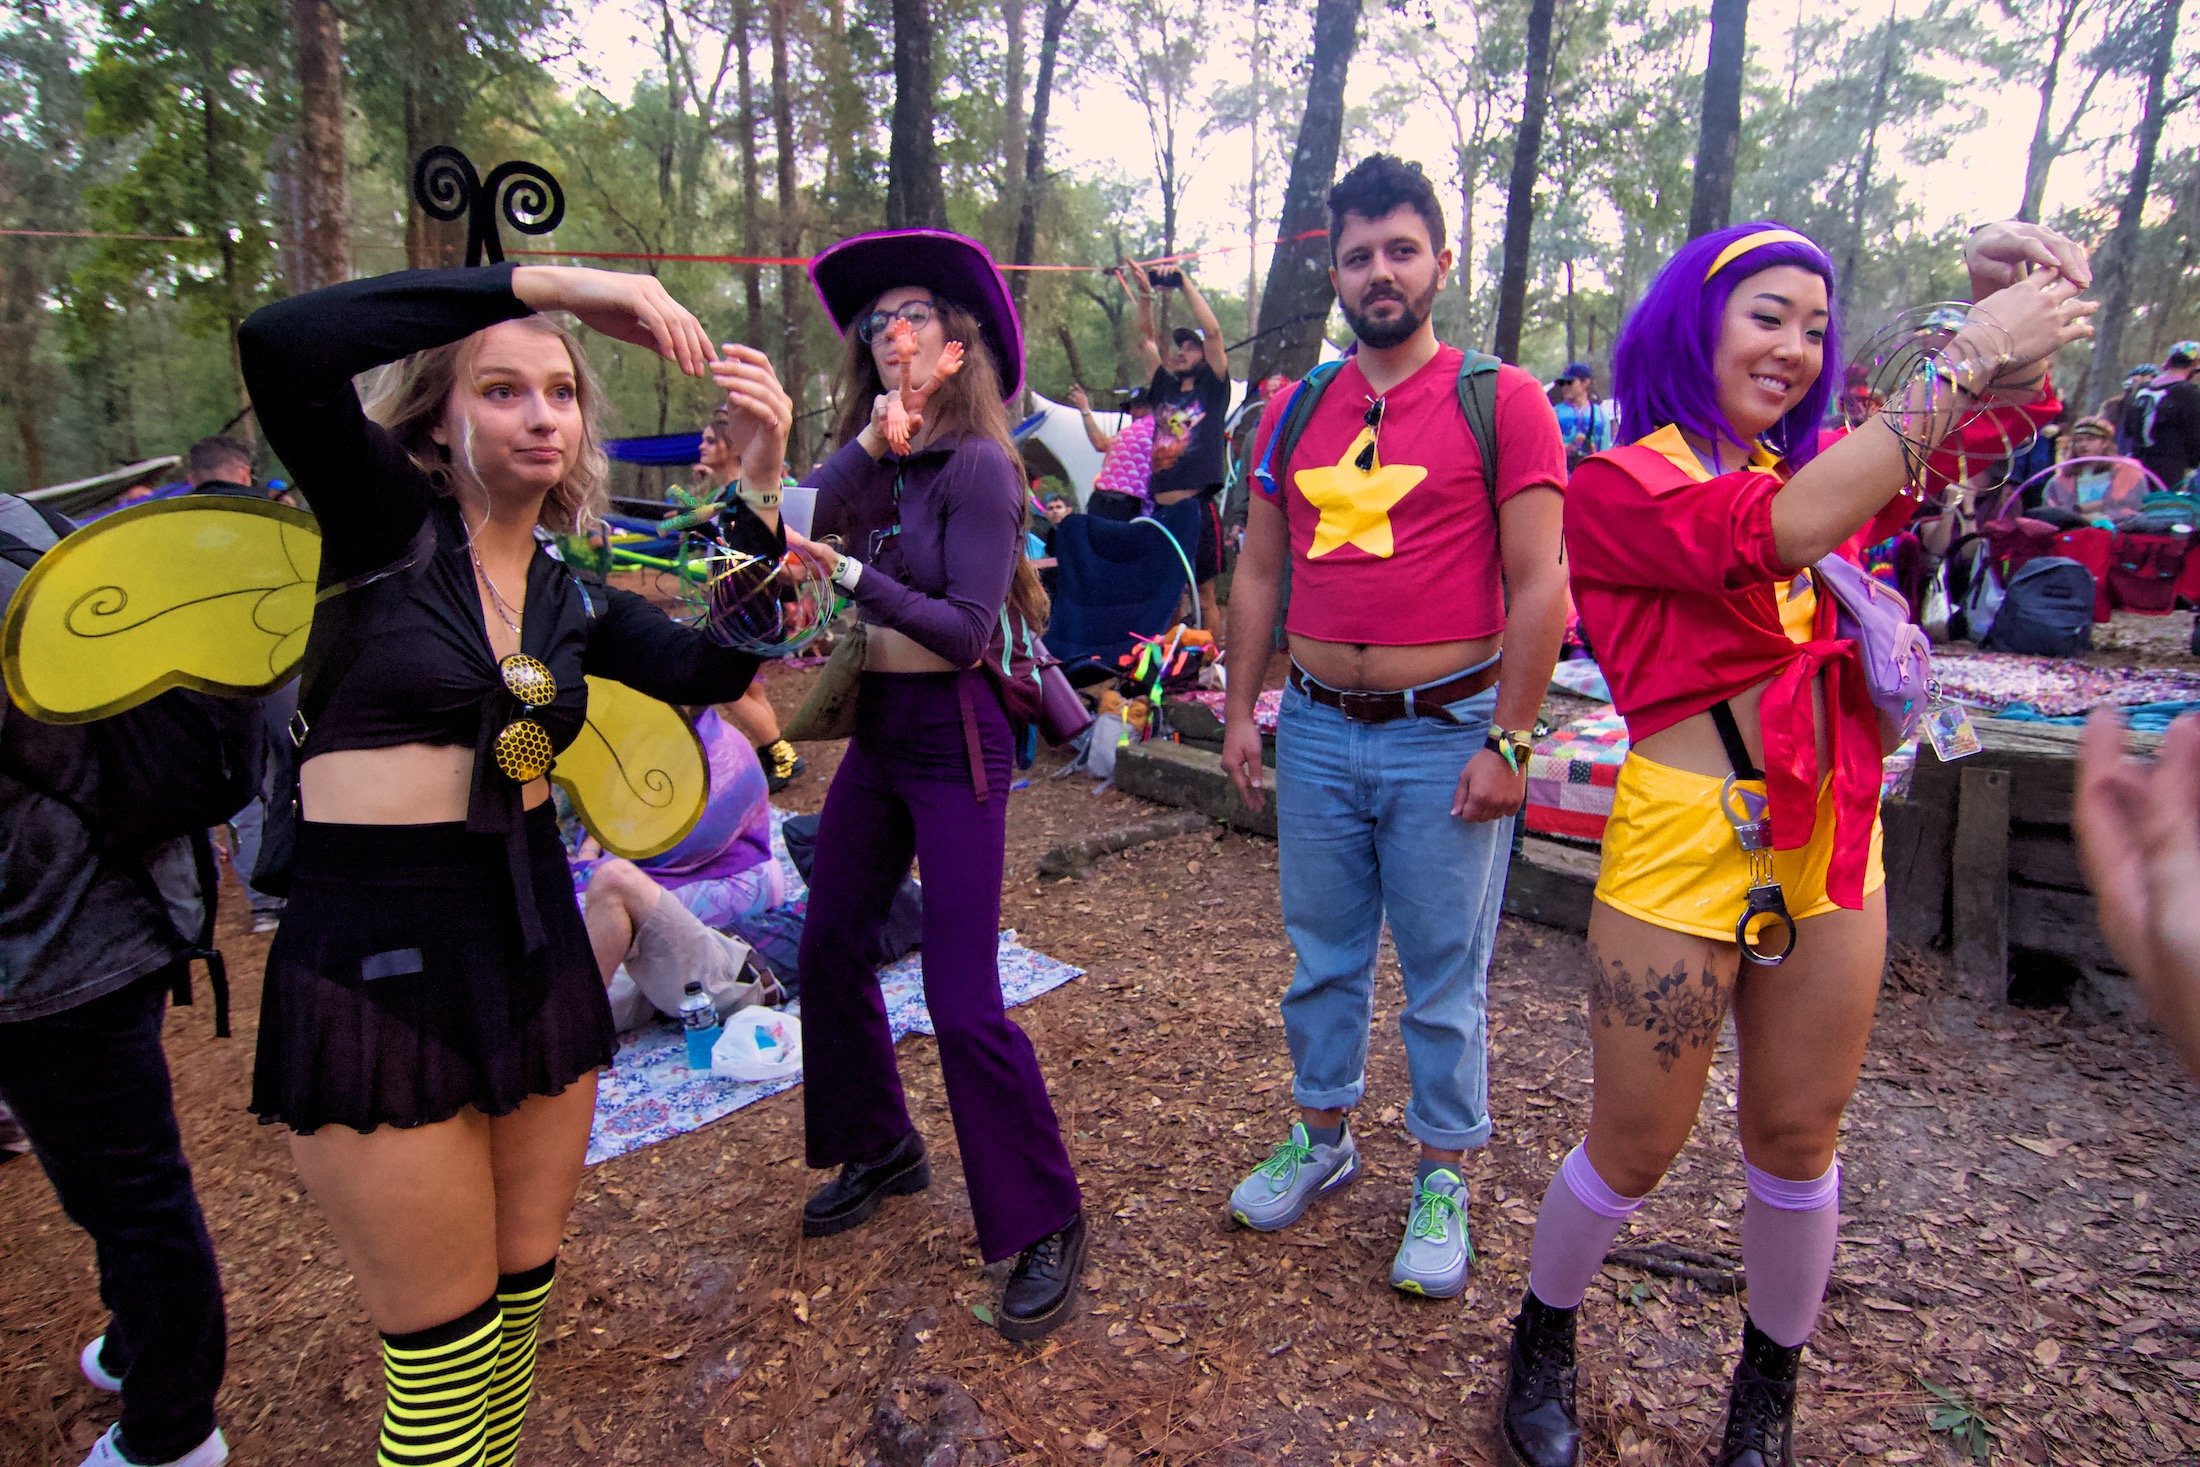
pixel 1671 859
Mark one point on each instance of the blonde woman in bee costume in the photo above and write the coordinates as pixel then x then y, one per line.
pixel 433 1021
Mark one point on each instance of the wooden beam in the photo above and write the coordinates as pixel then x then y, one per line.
pixel 1979 884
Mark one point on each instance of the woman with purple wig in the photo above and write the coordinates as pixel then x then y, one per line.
pixel 1753 770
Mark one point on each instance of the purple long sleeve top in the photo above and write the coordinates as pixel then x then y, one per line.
pixel 937 534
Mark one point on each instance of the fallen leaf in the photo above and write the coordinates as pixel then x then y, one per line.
pixel 2047 1352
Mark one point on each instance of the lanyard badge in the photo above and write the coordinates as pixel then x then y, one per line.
pixel 1948 726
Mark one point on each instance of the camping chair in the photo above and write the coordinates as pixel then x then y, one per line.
pixel 1114 581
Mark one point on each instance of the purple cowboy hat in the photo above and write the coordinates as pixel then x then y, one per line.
pixel 852 274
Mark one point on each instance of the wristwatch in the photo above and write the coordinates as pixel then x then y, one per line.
pixel 1513 745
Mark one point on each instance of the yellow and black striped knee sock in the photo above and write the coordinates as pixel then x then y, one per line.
pixel 520 1296
pixel 438 1406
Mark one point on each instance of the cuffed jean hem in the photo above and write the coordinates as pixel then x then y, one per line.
pixel 1442 1140
pixel 1344 1099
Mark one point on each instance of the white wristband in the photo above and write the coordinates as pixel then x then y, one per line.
pixel 846 572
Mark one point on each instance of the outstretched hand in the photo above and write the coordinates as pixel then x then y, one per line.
pixel 625 307
pixel 2030 321
pixel 2138 828
pixel 2000 255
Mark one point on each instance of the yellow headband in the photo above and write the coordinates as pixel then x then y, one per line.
pixel 1750 242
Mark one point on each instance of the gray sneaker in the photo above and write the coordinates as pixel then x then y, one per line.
pixel 1433 1259
pixel 1281 1188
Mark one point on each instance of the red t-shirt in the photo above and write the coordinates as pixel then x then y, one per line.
pixel 1407 552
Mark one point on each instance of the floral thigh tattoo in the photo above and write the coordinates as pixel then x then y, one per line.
pixel 1681 1009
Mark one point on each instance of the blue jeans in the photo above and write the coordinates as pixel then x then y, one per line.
pixel 1365 830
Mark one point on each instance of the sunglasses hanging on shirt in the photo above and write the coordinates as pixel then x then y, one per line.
pixel 522 748
pixel 1372 420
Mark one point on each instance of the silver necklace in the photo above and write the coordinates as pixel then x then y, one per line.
pixel 496 597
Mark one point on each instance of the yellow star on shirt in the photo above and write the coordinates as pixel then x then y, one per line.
pixel 1354 506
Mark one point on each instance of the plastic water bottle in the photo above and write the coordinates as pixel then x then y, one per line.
pixel 699 1017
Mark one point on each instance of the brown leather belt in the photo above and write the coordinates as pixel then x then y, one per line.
pixel 1366 707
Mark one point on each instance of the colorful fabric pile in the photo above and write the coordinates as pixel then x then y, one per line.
pixel 1264 712
pixel 2055 687
pixel 1572 773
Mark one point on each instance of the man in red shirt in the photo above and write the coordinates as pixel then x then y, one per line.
pixel 1426 612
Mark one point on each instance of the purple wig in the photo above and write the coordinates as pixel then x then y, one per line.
pixel 1662 363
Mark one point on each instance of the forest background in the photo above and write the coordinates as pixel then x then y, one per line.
pixel 267 145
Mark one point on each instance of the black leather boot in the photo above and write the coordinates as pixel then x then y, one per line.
pixel 1760 1406
pixel 1540 1425
pixel 1043 1287
pixel 856 1193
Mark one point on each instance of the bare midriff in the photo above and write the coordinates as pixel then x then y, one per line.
pixel 886 650
pixel 408 784
pixel 1362 667
pixel 1693 743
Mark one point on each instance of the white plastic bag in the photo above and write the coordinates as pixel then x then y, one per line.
pixel 758 1044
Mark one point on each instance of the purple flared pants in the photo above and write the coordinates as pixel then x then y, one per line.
pixel 904 789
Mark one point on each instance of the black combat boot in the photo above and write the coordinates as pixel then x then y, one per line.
pixel 1540 1425
pixel 1760 1406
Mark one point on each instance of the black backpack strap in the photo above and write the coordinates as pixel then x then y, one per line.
pixel 19 551
pixel 1730 734
pixel 202 944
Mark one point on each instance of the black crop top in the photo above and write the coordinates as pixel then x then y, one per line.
pixel 422 670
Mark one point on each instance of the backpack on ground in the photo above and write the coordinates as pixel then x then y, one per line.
pixel 2143 570
pixel 1975 588
pixel 2046 610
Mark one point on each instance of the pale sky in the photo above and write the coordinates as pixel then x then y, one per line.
pixel 1097 129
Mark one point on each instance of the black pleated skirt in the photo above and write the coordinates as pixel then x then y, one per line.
pixel 398 991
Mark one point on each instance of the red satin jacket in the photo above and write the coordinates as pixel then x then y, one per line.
pixel 1674 573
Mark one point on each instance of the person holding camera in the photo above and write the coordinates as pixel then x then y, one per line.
pixel 1190 394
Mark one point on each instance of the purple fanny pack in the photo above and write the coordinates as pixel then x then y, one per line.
pixel 1897 657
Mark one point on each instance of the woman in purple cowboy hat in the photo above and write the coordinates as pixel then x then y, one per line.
pixel 929 546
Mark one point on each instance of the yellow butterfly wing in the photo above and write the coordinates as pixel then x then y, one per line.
pixel 212 592
pixel 637 774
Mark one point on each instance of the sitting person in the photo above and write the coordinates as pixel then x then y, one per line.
pixel 2083 481
pixel 719 874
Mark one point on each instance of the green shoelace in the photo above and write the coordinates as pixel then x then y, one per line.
pixel 1284 1162
pixel 1430 1208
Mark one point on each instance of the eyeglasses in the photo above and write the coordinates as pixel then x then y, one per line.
pixel 916 313
pixel 1372 420
pixel 523 748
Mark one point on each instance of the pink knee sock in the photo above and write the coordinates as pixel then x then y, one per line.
pixel 1580 1218
pixel 1788 1235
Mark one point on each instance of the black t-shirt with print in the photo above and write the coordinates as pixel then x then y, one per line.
pixel 1191 405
